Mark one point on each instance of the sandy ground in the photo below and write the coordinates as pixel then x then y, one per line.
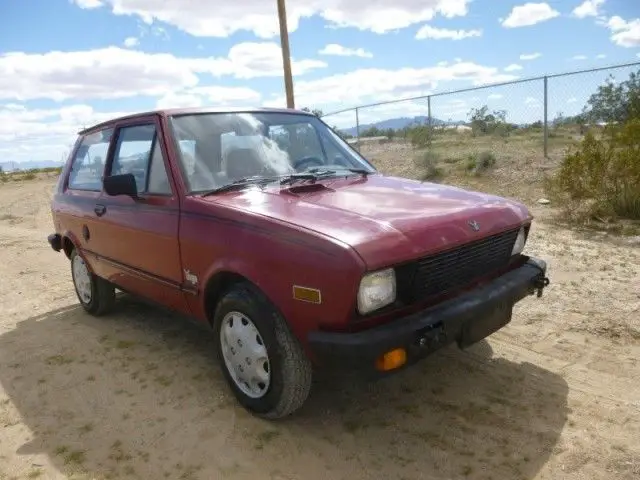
pixel 137 394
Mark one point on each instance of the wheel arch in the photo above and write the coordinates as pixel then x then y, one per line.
pixel 217 285
pixel 68 246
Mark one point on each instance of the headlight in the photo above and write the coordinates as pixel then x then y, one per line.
pixel 377 290
pixel 518 245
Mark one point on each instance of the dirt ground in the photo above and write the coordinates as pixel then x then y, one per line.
pixel 554 395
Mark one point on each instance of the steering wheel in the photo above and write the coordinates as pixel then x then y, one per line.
pixel 309 159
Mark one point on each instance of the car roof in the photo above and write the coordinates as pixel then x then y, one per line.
pixel 165 112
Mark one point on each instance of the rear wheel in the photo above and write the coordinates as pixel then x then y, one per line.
pixel 96 295
pixel 262 361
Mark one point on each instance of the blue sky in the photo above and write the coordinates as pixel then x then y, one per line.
pixel 81 61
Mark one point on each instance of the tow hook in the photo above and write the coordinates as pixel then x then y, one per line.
pixel 539 285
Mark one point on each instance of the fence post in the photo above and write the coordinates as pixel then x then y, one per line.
pixel 429 119
pixel 546 119
pixel 357 130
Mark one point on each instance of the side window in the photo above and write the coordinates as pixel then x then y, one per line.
pixel 158 180
pixel 87 166
pixel 138 152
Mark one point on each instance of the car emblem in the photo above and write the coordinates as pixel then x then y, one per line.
pixel 475 226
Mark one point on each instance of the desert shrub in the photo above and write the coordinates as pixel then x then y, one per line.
pixel 427 162
pixel 390 133
pixel 601 176
pixel 484 122
pixel 421 136
pixel 29 176
pixel 478 163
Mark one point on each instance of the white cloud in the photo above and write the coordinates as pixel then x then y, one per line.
pixel 601 56
pixel 131 42
pixel 624 33
pixel 495 96
pixel 375 84
pixel 249 60
pixel 529 14
pixel 588 8
pixel 88 4
pixel 427 31
pixel 531 101
pixel 530 56
pixel 572 100
pixel 115 72
pixel 514 67
pixel 44 134
pixel 210 95
pixel 199 18
pixel 179 100
pixel 341 51
pixel 579 57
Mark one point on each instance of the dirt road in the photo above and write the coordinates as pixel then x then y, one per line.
pixel 137 394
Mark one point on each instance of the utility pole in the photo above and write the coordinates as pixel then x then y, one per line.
pixel 286 55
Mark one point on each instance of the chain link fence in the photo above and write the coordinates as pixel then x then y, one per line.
pixel 535 116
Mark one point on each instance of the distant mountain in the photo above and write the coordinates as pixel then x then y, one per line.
pixel 398 124
pixel 28 165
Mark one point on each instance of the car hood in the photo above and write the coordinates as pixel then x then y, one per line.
pixel 387 220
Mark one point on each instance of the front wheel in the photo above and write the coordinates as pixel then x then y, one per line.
pixel 261 360
pixel 96 295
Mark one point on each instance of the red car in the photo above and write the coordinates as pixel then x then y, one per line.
pixel 269 228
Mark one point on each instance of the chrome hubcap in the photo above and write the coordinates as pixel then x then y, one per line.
pixel 82 279
pixel 245 354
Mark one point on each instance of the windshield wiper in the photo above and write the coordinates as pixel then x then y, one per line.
pixel 316 173
pixel 241 183
pixel 360 170
pixel 313 174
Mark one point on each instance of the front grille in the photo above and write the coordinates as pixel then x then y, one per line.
pixel 454 269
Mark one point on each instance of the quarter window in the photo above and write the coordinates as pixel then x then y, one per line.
pixel 138 152
pixel 87 167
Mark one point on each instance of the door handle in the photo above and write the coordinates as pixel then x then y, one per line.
pixel 100 210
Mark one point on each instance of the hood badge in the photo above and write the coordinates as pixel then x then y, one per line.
pixel 475 226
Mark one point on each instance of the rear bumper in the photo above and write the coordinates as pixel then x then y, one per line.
pixel 55 240
pixel 465 319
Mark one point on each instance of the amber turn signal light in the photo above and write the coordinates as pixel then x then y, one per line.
pixel 392 359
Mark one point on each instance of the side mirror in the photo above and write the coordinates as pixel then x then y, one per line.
pixel 124 184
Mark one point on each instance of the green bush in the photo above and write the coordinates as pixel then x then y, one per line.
pixel 428 164
pixel 478 163
pixel 601 177
pixel 421 136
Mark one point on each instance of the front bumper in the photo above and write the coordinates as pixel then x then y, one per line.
pixel 55 240
pixel 465 319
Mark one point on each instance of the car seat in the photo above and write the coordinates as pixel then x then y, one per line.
pixel 243 162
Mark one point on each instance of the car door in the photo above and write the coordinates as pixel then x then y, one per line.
pixel 81 190
pixel 141 234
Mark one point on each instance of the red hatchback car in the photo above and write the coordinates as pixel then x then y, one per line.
pixel 268 227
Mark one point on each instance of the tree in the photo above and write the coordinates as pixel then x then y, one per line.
pixel 615 102
pixel 484 122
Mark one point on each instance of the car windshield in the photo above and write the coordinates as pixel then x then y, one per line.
pixel 217 149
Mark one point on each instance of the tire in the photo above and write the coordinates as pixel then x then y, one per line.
pixel 289 369
pixel 96 295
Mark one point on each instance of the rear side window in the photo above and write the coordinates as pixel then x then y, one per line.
pixel 87 167
pixel 138 152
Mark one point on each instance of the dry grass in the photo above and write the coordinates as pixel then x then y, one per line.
pixel 519 171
